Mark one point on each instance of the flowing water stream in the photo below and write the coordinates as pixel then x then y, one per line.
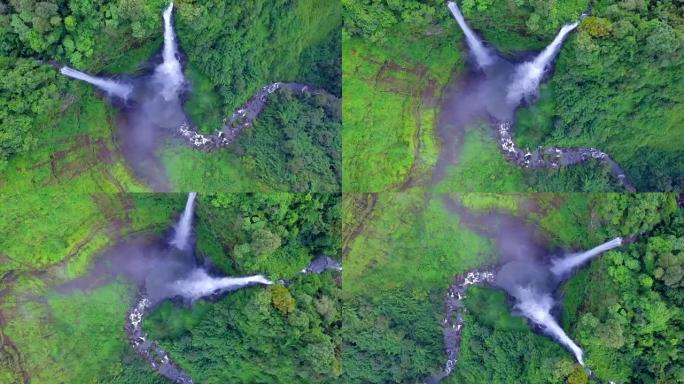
pixel 526 269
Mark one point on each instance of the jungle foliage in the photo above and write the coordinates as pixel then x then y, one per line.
pixel 617 84
pixel 276 233
pixel 295 144
pixel 283 333
pixel 405 252
pixel 279 334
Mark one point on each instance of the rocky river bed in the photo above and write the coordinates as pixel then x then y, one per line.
pixel 454 309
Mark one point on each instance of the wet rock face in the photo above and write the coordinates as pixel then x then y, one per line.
pixel 242 118
pixel 553 157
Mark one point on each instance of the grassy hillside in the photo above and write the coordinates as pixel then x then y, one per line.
pixel 616 87
pixel 391 90
pixel 48 239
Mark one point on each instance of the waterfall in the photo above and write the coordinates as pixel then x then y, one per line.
pixel 563 266
pixel 199 284
pixel 112 87
pixel 184 226
pixel 528 75
pixel 169 72
pixel 537 308
pixel 482 54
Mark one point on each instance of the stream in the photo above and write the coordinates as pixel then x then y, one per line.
pixel 157 357
pixel 244 117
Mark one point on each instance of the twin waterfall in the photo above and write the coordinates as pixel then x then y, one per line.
pixel 198 283
pixel 564 266
pixel 528 75
pixel 168 74
pixel 483 56
pixel 535 303
pixel 184 227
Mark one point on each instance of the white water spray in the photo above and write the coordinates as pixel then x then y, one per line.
pixel 528 75
pixel 199 284
pixel 184 226
pixel 169 71
pixel 110 86
pixel 482 55
pixel 537 308
pixel 562 266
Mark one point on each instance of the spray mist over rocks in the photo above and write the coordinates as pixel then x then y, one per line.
pixel 491 92
pixel 150 105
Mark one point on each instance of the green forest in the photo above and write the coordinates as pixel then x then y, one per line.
pixel 617 86
pixel 58 133
pixel 285 333
pixel 625 309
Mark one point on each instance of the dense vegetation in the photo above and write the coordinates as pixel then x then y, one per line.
pixel 52 336
pixel 403 255
pixel 617 86
pixel 48 239
pixel 631 321
pixel 392 84
pixel 232 49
